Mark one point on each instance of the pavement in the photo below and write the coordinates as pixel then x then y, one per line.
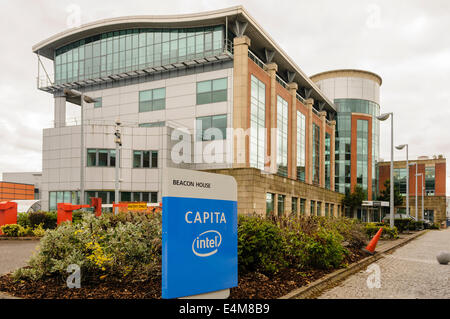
pixel 15 254
pixel 410 272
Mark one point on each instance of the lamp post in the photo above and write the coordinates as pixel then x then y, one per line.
pixel 83 99
pixel 417 214
pixel 400 147
pixel 384 117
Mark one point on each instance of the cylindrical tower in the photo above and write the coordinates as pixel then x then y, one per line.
pixel 356 94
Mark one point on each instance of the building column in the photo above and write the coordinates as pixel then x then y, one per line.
pixel 309 127
pixel 272 69
pixel 60 112
pixel 241 143
pixel 323 117
pixel 332 155
pixel 292 132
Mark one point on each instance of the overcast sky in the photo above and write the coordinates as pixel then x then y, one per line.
pixel 406 42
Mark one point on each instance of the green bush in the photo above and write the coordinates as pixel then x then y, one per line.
pixel 372 228
pixel 260 245
pixel 48 220
pixel 118 247
pixel 12 230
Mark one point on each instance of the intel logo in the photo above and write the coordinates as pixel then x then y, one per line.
pixel 207 243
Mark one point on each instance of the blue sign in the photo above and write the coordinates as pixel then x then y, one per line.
pixel 199 241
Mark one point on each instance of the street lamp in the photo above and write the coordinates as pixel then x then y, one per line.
pixel 400 147
pixel 384 117
pixel 417 214
pixel 83 99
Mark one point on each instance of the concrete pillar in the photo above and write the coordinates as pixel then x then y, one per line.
pixel 333 155
pixel 292 132
pixel 272 69
pixel 240 101
pixel 60 111
pixel 309 127
pixel 323 118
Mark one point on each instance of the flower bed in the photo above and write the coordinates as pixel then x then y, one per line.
pixel 120 256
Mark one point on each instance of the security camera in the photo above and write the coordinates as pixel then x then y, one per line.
pixel 118 122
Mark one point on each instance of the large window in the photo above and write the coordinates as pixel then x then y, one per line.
pixel 145 159
pixel 294 206
pixel 68 197
pixel 211 128
pixel 400 180
pixel 362 153
pixel 134 49
pixel 281 201
pixel 316 155
pixel 101 158
pixel 212 91
pixel 301 146
pixel 282 135
pixel 327 161
pixel 152 100
pixel 302 206
pixel 257 123
pixel 270 201
pixel 430 177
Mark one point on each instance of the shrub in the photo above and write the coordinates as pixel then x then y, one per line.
pixel 12 230
pixel 260 245
pixel 388 232
pixel 111 246
pixel 48 220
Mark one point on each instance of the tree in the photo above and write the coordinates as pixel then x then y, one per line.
pixel 354 199
pixel 385 195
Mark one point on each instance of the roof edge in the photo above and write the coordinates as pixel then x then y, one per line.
pixel 346 73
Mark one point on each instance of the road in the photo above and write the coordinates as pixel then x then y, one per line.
pixel 410 272
pixel 15 254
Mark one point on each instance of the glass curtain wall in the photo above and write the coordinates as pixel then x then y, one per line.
pixel 316 155
pixel 301 146
pixel 430 176
pixel 282 135
pixel 362 152
pixel 327 161
pixel 134 49
pixel 257 123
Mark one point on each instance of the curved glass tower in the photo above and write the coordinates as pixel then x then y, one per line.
pixel 356 94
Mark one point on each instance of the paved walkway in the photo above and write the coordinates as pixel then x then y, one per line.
pixel 410 272
pixel 15 254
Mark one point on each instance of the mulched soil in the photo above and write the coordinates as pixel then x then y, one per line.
pixel 251 286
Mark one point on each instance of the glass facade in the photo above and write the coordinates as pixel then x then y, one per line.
pixel 316 155
pixel 400 180
pixel 430 176
pixel 134 49
pixel 327 161
pixel 257 123
pixel 70 197
pixel 345 109
pixel 301 146
pixel 362 152
pixel 282 135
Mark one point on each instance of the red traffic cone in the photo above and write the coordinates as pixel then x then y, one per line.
pixel 373 243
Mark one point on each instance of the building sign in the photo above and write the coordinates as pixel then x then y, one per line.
pixel 199 233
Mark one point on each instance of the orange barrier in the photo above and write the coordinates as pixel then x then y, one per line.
pixel 373 243
pixel 8 214
pixel 65 211
pixel 97 204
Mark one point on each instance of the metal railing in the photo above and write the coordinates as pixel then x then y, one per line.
pixel 255 59
pixel 281 81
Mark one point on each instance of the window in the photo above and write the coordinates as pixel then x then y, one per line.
pixel 301 146
pixel 429 215
pixel 327 209
pixel 155 124
pixel 147 197
pixel 70 197
pixel 257 123
pixel 316 155
pixel 152 100
pixel 327 161
pixel 430 176
pixel 101 158
pixel 98 102
pixel 313 208
pixel 302 206
pixel 212 128
pixel 362 161
pixel 212 91
pixel 145 159
pixel 319 208
pixel 281 200
pixel 294 206
pixel 270 199
pixel 282 135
